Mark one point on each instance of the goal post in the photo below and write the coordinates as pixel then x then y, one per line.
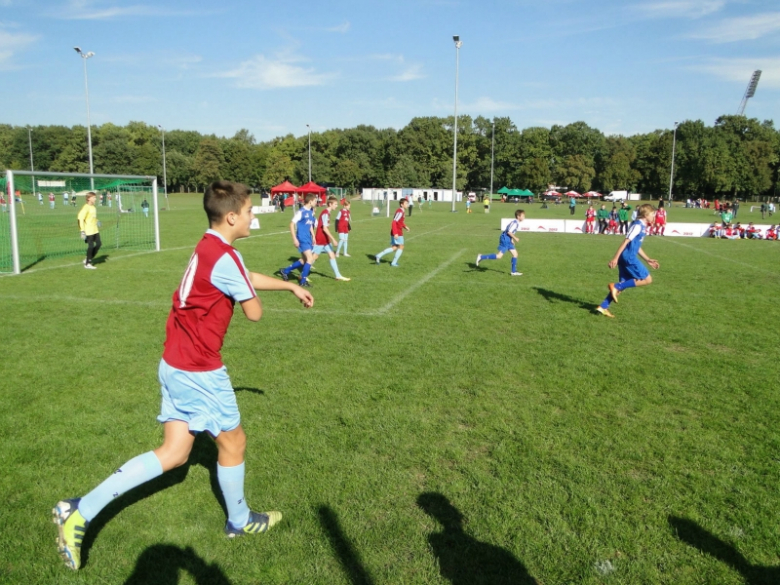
pixel 39 209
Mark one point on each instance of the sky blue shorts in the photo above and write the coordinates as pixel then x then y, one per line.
pixel 343 236
pixel 323 249
pixel 204 400
pixel 632 270
pixel 396 241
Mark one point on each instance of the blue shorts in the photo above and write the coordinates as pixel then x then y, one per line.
pixel 632 270
pixel 323 249
pixel 304 247
pixel 396 241
pixel 505 244
pixel 343 237
pixel 204 400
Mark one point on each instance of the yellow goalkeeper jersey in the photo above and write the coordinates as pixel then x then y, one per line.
pixel 88 220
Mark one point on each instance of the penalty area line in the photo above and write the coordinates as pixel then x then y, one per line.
pixel 402 295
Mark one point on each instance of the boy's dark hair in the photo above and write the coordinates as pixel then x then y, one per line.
pixel 332 199
pixel 519 212
pixel 222 197
pixel 402 201
pixel 308 198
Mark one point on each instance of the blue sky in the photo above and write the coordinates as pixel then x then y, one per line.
pixel 274 66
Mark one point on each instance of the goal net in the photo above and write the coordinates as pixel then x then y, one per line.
pixel 38 215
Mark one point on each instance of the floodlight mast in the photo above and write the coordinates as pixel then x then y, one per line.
pixel 458 45
pixel 86 56
pixel 749 92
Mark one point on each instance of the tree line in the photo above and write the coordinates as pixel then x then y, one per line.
pixel 736 157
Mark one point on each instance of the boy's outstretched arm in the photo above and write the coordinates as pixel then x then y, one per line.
pixel 653 263
pixel 253 308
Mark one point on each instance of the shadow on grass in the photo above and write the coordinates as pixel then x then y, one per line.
pixel 343 549
pixel 463 559
pixel 482 268
pixel 161 564
pixel 247 389
pixel 204 452
pixel 554 296
pixel 696 536
pixel 40 258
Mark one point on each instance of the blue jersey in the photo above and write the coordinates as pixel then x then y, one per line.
pixel 513 226
pixel 304 221
pixel 636 233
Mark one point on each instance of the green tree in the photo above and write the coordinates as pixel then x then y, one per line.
pixel 208 161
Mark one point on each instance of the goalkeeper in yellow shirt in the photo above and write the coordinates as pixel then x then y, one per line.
pixel 88 224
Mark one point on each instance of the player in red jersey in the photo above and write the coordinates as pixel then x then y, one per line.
pixel 197 395
pixel 590 219
pixel 323 239
pixel 343 227
pixel 660 220
pixel 396 234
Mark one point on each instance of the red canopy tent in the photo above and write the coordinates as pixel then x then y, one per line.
pixel 312 187
pixel 286 187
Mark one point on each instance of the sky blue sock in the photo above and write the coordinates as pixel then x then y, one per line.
pixel 383 252
pixel 138 470
pixel 231 481
pixel 398 253
pixel 346 243
pixel 335 267
pixel 514 264
pixel 606 303
pixel 625 284
pixel 305 271
pixel 488 257
pixel 338 248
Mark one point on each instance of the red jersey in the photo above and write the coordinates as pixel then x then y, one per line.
pixel 51 196
pixel 342 221
pixel 397 229
pixel 660 216
pixel 320 237
pixel 590 214
pixel 201 312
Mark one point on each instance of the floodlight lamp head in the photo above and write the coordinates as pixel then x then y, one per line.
pixel 90 54
pixel 751 91
pixel 77 49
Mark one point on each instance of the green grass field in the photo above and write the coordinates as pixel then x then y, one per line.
pixel 435 423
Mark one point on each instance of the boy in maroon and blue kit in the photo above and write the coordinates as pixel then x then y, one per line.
pixel 343 227
pixel 197 395
pixel 396 234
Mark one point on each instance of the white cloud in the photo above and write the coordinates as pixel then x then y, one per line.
pixel 92 10
pixel 262 73
pixel 740 70
pixel 342 28
pixel 743 28
pixel 411 73
pixel 133 99
pixel 12 43
pixel 680 8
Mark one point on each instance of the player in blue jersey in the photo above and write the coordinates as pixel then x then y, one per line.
pixel 302 231
pixel 506 243
pixel 631 271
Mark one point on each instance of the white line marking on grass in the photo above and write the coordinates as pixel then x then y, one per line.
pixel 401 296
pixel 68 299
pixel 146 252
pixel 719 257
pixel 430 232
